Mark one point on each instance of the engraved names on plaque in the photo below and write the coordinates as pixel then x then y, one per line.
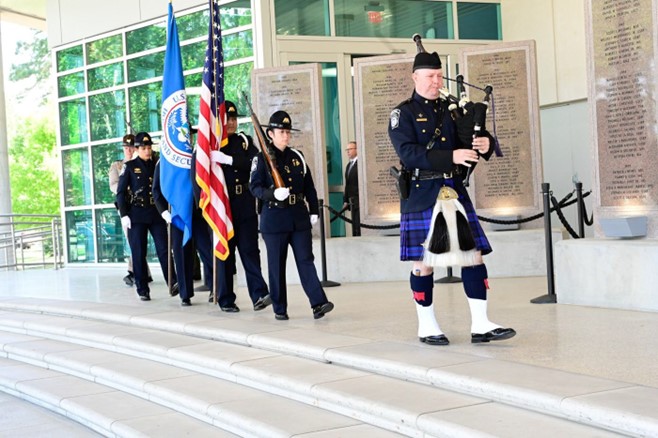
pixel 623 46
pixel 509 184
pixel 381 83
pixel 296 90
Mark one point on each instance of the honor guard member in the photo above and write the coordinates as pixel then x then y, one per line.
pixel 285 218
pixel 139 215
pixel 431 149
pixel 235 159
pixel 183 255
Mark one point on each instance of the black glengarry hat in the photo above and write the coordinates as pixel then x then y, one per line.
pixel 281 120
pixel 427 60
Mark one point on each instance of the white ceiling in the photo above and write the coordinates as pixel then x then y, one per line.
pixel 28 12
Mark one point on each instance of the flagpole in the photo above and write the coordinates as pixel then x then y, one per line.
pixel 214 238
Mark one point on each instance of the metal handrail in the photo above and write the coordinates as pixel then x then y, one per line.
pixel 30 240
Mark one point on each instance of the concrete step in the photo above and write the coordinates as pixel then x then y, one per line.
pixel 374 382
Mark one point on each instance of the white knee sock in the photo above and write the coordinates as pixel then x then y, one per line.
pixel 427 325
pixel 480 323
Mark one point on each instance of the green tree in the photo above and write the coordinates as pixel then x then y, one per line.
pixel 33 168
pixel 36 68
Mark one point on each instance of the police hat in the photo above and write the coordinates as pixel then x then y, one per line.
pixel 143 139
pixel 427 60
pixel 281 120
pixel 232 110
pixel 128 140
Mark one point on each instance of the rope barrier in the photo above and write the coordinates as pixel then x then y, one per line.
pixel 557 206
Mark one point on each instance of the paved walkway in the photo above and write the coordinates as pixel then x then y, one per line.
pixel 612 344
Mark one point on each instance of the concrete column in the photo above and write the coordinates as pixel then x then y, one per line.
pixel 6 256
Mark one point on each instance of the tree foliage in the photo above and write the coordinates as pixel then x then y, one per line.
pixel 36 68
pixel 33 168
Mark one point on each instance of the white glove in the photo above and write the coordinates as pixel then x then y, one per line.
pixel 314 219
pixel 281 193
pixel 221 157
pixel 166 215
pixel 125 222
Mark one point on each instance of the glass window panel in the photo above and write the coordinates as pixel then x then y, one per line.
pixel 106 76
pixel 234 15
pixel 73 121
pixel 77 174
pixel 112 245
pixel 80 231
pixel 237 45
pixel 105 49
pixel 302 17
pixel 193 80
pixel 146 67
pixel 193 108
pixel 239 79
pixel 107 113
pixel 70 58
pixel 394 19
pixel 102 156
pixel 193 25
pixel 149 37
pixel 193 55
pixel 71 84
pixel 479 21
pixel 145 103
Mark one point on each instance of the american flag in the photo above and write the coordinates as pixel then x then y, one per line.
pixel 212 135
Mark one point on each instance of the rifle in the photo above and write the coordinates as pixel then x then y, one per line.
pixel 276 176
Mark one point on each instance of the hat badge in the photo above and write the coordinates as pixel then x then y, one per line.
pixel 286 120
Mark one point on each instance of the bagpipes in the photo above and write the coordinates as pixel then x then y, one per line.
pixel 450 241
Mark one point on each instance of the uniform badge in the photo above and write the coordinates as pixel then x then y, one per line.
pixel 395 118
pixel 287 168
pixel 138 170
pixel 296 162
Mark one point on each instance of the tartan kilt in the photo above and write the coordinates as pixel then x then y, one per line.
pixel 415 226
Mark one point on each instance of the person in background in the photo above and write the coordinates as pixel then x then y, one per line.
pixel 351 194
pixel 285 219
pixel 139 215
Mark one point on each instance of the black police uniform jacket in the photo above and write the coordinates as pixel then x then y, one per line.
pixel 284 216
pixel 413 124
pixel 135 192
pixel 241 148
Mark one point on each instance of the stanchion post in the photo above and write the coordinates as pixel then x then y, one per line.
pixel 323 252
pixel 449 278
pixel 581 213
pixel 548 237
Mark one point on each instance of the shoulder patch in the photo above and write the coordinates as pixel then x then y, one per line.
pixel 254 164
pixel 123 169
pixel 395 118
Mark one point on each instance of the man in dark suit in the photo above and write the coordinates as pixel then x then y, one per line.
pixel 351 195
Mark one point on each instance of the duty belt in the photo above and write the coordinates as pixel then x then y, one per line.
pixel 140 201
pixel 421 175
pixel 292 199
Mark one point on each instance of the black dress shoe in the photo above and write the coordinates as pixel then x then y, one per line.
pixel 145 297
pixel 262 302
pixel 174 290
pixel 201 288
pixel 494 335
pixel 281 316
pixel 230 309
pixel 150 279
pixel 186 302
pixel 129 279
pixel 435 340
pixel 322 309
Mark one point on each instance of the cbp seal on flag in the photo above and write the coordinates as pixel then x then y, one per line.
pixel 176 147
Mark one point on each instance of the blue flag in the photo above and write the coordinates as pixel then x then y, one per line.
pixel 175 148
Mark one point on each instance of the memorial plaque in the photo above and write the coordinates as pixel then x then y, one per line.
pixel 297 90
pixel 622 47
pixel 511 184
pixel 380 84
